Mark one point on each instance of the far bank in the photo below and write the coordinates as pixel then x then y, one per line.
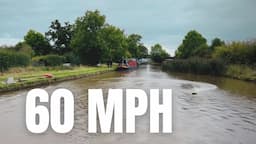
pixel 211 67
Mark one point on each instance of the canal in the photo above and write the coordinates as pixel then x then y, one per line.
pixel 222 111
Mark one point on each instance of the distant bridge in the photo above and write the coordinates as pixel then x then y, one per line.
pixel 169 58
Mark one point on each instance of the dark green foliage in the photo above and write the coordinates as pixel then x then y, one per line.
pixel 48 60
pixel 87 41
pixel 115 43
pixel 9 58
pixel 196 65
pixel 134 43
pixel 158 54
pixel 38 42
pixel 216 43
pixel 22 47
pixel 214 59
pixel 54 60
pixel 143 51
pixel 71 58
pixel 237 53
pixel 192 44
pixel 202 51
pixel 60 36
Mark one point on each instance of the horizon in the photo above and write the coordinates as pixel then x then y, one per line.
pixel 171 19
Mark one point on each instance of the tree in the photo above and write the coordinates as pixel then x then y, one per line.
pixel 191 43
pixel 24 48
pixel 60 36
pixel 134 43
pixel 202 51
pixel 143 51
pixel 38 42
pixel 158 54
pixel 87 40
pixel 115 42
pixel 216 43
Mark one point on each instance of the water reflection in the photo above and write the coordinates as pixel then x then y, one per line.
pixel 237 87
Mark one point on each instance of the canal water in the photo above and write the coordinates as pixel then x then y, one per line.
pixel 223 111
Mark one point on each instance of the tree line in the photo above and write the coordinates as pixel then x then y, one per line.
pixel 236 52
pixel 219 58
pixel 89 40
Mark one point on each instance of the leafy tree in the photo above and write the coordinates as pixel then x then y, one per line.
pixel 115 43
pixel 202 51
pixel 60 36
pixel 158 54
pixel 87 40
pixel 134 42
pixel 38 42
pixel 192 41
pixel 143 51
pixel 24 48
pixel 216 43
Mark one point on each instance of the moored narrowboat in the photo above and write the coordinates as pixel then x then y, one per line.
pixel 127 64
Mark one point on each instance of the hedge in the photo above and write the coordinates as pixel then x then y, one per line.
pixel 48 60
pixel 196 65
pixel 10 59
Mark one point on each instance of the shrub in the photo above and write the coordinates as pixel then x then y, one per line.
pixel 237 53
pixel 158 54
pixel 196 66
pixel 24 48
pixel 71 58
pixel 48 60
pixel 12 59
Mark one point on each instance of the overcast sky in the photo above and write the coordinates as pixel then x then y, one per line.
pixel 158 21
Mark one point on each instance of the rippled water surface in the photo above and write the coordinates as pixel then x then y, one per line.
pixel 223 111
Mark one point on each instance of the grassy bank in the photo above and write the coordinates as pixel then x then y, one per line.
pixel 211 67
pixel 241 72
pixel 33 76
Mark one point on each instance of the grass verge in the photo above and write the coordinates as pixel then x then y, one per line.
pixel 33 76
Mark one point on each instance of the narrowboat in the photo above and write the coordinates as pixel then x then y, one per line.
pixel 127 64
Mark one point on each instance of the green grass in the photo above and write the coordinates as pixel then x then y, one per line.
pixel 33 76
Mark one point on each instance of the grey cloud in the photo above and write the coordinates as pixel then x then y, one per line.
pixel 163 21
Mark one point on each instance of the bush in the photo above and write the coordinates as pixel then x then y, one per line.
pixel 24 48
pixel 158 54
pixel 48 60
pixel 71 58
pixel 12 59
pixel 196 66
pixel 237 53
